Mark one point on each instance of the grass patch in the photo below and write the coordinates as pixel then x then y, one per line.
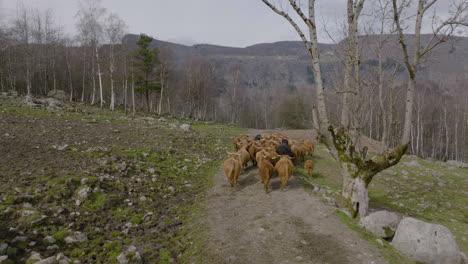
pixel 415 187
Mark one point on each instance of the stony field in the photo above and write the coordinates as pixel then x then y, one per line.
pixel 96 186
pixel 86 185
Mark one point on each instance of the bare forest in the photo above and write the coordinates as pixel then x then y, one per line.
pixel 258 87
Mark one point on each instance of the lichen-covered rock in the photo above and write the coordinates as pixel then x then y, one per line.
pixel 426 243
pixel 464 258
pixel 3 259
pixel 3 248
pixel 50 260
pixel 130 256
pixel 76 237
pixel 59 94
pixel 35 257
pixel 185 127
pixel 49 240
pixel 62 259
pixel 457 164
pixel 381 223
pixel 82 195
pixel 412 164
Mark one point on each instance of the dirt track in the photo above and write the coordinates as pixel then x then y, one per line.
pixel 248 226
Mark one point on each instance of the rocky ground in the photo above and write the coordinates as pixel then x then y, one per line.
pixel 83 185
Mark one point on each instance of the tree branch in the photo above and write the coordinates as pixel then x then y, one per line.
pixel 291 21
pixel 429 5
pixel 307 21
pixel 396 19
pixel 451 22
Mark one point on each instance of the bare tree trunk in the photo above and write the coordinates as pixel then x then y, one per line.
pixel 446 133
pixel 70 80
pixel 418 120
pixel 83 88
pixel 381 102
pixel 28 81
pixel 94 83
pixel 168 104
pixel 133 96
pixel 456 133
pixel 101 96
pixel 315 118
pixel 125 95
pixel 111 76
pixel 162 77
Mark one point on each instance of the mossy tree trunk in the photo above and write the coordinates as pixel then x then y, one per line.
pixel 357 170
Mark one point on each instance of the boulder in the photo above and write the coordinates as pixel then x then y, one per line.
pixel 3 259
pixel 59 94
pixel 49 240
pixel 13 93
pixel 62 259
pixel 457 164
pixel 82 195
pixel 52 102
pixel 426 243
pixel 35 257
pixel 464 258
pixel 130 256
pixel 412 164
pixel 381 223
pixel 185 127
pixel 50 260
pixel 3 248
pixel 76 237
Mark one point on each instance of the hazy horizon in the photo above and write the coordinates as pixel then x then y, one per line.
pixel 215 22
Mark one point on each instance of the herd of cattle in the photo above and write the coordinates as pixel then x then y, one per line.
pixel 271 153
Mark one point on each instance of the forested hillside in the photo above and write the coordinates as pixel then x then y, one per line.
pixel 266 85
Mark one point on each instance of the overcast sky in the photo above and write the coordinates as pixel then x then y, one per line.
pixel 236 23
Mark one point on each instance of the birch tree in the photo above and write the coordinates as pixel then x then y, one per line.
pixel 357 170
pixel 442 31
pixel 165 68
pixel 352 61
pixel 22 27
pixel 90 27
pixel 114 29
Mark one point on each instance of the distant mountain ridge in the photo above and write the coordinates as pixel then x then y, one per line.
pixel 285 63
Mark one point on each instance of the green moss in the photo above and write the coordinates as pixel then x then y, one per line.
pixel 77 252
pixel 60 235
pixel 11 252
pixel 165 255
pixel 136 219
pixel 21 245
pixel 116 234
pixel 9 200
pixel 97 201
pixel 121 214
pixel 31 261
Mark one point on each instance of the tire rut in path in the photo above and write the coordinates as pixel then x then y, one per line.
pixel 245 225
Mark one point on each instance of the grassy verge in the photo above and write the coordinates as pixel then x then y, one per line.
pixel 425 189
